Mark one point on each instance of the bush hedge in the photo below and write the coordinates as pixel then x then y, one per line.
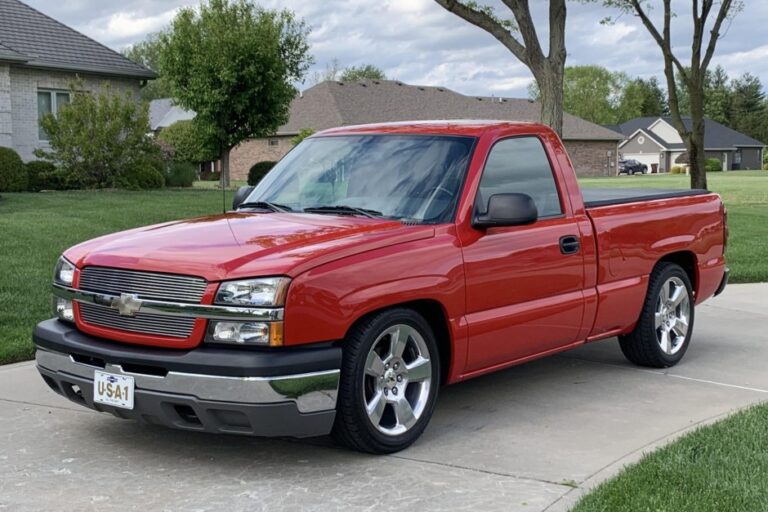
pixel 677 169
pixel 143 176
pixel 38 172
pixel 713 165
pixel 258 171
pixel 181 174
pixel 13 173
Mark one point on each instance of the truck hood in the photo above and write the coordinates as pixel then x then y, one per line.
pixel 238 245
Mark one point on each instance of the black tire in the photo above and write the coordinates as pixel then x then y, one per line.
pixel 642 346
pixel 353 427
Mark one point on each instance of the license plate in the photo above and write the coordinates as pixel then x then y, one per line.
pixel 114 390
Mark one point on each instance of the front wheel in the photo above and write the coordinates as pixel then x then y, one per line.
pixel 389 382
pixel 663 332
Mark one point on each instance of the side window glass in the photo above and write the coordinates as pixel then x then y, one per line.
pixel 520 165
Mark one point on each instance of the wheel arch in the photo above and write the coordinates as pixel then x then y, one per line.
pixel 434 313
pixel 686 260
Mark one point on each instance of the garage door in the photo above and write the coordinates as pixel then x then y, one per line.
pixel 646 158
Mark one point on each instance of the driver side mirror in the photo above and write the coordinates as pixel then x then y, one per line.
pixel 240 196
pixel 511 209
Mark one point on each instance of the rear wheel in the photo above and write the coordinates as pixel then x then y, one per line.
pixel 389 382
pixel 664 330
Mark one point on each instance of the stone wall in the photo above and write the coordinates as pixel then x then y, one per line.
pixel 253 151
pixel 24 84
pixel 593 158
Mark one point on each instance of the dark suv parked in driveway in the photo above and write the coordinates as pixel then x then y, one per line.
pixel 632 167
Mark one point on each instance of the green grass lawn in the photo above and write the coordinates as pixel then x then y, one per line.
pixel 745 193
pixel 36 228
pixel 721 467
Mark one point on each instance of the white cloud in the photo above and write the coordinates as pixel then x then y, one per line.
pixel 417 41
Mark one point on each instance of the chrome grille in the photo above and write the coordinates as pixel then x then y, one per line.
pixel 147 285
pixel 144 323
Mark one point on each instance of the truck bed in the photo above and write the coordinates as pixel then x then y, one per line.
pixel 595 197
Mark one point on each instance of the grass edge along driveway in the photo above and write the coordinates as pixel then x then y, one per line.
pixel 716 468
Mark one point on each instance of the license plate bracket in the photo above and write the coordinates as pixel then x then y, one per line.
pixel 112 389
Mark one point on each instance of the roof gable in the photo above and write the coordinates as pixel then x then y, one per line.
pixel 33 39
pixel 716 135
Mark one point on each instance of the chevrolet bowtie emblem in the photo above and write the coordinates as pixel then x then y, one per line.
pixel 128 304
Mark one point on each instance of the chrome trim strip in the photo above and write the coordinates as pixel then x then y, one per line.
pixel 312 392
pixel 159 307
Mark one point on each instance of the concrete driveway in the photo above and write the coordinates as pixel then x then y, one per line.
pixel 530 438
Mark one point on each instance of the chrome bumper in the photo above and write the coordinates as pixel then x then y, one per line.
pixel 311 392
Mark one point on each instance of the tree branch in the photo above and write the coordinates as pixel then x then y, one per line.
pixel 557 14
pixel 489 24
pixel 527 28
pixel 663 42
pixel 725 8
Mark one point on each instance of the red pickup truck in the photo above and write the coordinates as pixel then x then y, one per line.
pixel 372 265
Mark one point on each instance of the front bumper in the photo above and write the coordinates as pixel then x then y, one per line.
pixel 287 392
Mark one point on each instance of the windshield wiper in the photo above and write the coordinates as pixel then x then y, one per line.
pixel 266 206
pixel 341 208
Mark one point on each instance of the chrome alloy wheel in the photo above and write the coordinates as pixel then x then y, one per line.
pixel 398 373
pixel 673 313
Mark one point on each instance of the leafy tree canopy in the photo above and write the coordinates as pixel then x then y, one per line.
pixel 147 53
pixel 235 64
pixel 362 72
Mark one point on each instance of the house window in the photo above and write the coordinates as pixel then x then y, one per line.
pixel 49 101
pixel 274 142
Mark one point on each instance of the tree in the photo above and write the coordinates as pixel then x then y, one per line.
pixel 235 64
pixel 520 37
pixel 748 107
pixel 188 141
pixel 303 134
pixel 589 92
pixel 641 98
pixel 147 53
pixel 331 72
pixel 706 16
pixel 362 72
pixel 100 137
pixel 718 97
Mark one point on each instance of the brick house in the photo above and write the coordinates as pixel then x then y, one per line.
pixel 39 58
pixel 593 148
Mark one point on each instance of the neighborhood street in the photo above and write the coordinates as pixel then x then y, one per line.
pixel 533 437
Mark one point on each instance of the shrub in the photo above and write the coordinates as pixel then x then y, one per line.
pixel 206 174
pixel 142 176
pixel 13 173
pixel 189 142
pixel 98 136
pixel 258 171
pixel 180 174
pixel 677 169
pixel 38 172
pixel 303 134
pixel 713 165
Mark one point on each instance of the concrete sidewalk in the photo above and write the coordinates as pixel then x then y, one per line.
pixel 533 437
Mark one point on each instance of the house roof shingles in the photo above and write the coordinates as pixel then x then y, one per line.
pixel 716 135
pixel 331 104
pixel 30 37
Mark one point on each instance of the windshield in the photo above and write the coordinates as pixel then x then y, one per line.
pixel 410 177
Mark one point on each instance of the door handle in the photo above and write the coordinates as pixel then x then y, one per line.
pixel 569 244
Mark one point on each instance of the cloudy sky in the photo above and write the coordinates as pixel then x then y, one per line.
pixel 416 41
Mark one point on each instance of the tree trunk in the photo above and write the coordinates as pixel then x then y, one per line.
pixel 225 166
pixel 695 141
pixel 551 97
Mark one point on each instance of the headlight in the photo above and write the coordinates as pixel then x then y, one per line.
pixel 64 272
pixel 267 292
pixel 245 333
